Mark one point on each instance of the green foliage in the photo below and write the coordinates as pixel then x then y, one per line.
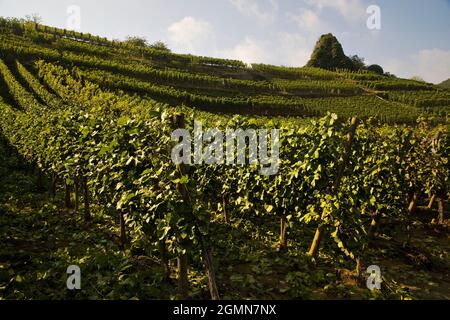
pixel 23 98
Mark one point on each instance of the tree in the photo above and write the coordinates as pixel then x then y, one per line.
pixel 376 68
pixel 328 54
pixel 418 78
pixel 388 74
pixel 159 45
pixel 136 41
pixel 34 17
pixel 358 62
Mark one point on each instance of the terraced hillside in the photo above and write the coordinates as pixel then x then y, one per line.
pixel 218 85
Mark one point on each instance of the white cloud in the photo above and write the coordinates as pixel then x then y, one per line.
pixel 190 35
pixel 433 65
pixel 252 8
pixel 308 21
pixel 291 50
pixel 249 51
pixel 351 10
pixel 295 50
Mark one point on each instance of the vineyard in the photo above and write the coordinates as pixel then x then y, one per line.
pixel 88 179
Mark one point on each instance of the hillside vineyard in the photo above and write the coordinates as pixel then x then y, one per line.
pixel 93 119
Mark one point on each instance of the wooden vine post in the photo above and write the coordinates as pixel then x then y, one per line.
pixel 77 194
pixel 182 270
pixel 283 230
pixel 54 184
pixel 224 209
pixel 441 209
pixel 206 251
pixel 39 179
pixel 340 171
pixel 164 259
pixel 373 225
pixel 411 209
pixel 68 193
pixel 412 204
pixel 87 211
pixel 123 234
pixel 440 199
pixel 430 204
pixel 182 262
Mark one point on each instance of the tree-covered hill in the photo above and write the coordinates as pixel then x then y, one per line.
pixel 328 54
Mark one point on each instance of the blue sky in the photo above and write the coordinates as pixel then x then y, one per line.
pixel 413 39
